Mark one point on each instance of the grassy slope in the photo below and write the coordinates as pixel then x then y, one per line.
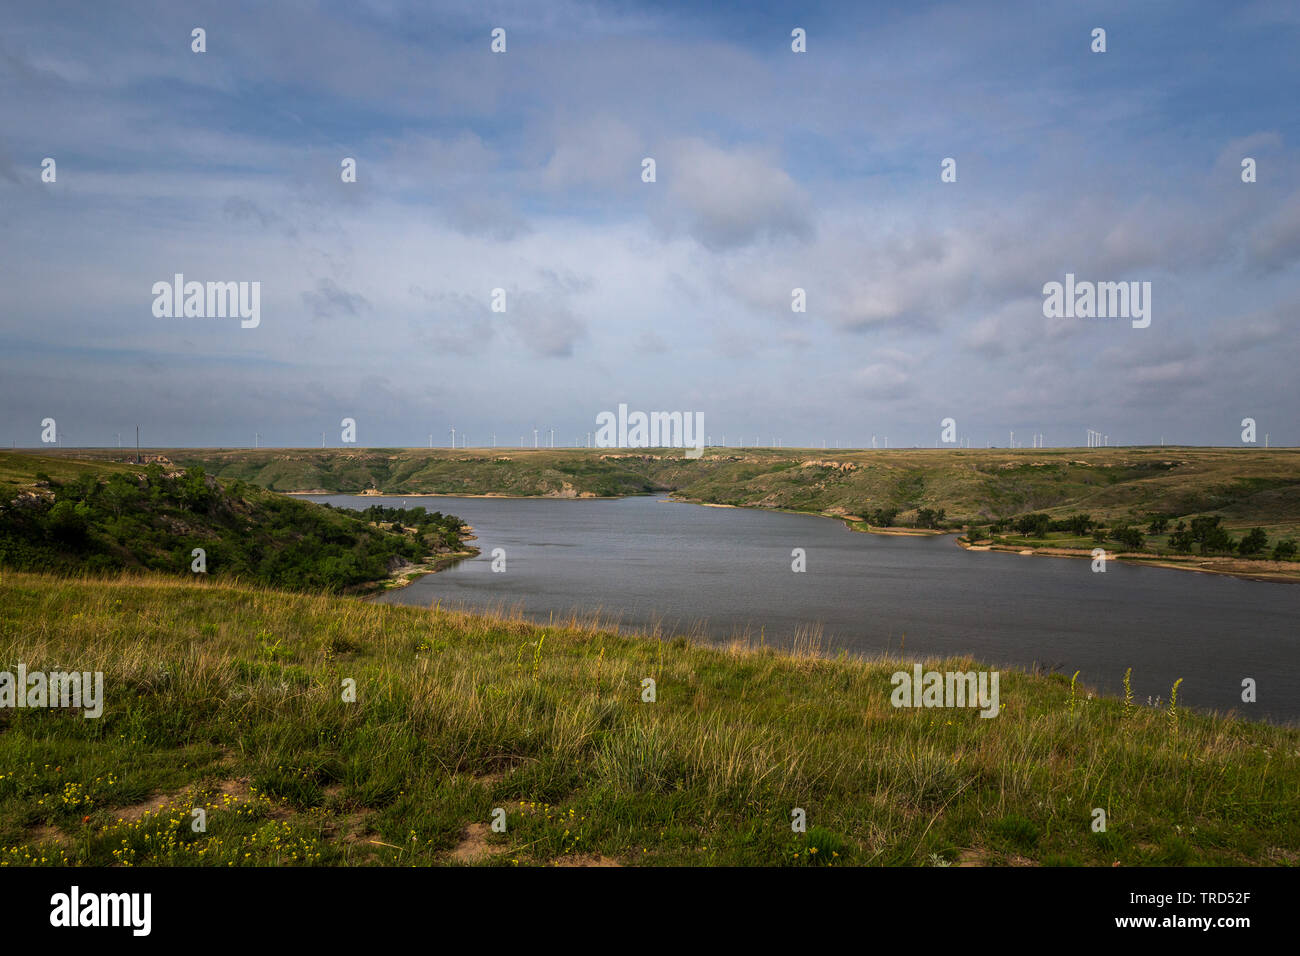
pixel 245 530
pixel 1248 487
pixel 229 698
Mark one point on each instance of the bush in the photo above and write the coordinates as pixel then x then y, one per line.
pixel 67 522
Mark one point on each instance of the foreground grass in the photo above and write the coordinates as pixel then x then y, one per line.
pixel 228 699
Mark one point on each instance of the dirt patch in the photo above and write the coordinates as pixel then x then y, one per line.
pixel 585 859
pixel 978 857
pixel 474 845
pixel 49 834
pixel 138 811
pixel 349 828
pixel 237 788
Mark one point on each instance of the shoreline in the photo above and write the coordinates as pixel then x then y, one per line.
pixel 407 574
pixel 1151 560
pixel 1157 561
pixel 585 496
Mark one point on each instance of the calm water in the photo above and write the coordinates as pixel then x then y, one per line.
pixel 647 561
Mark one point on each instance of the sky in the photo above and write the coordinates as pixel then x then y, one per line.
pixel 522 171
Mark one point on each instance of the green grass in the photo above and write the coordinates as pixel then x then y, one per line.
pixel 229 698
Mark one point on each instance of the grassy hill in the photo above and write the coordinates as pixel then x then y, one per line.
pixel 67 515
pixel 1248 487
pixel 229 699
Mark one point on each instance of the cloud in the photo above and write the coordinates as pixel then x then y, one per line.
pixel 522 171
pixel 328 301
pixel 889 377
pixel 727 199
pixel 1274 244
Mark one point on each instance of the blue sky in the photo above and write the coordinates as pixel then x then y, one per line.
pixel 775 170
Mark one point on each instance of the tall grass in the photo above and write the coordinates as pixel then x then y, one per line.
pixel 217 689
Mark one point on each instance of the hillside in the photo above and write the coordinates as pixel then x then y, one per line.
pixel 1248 487
pixel 58 514
pixel 231 699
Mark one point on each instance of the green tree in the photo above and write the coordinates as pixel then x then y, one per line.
pixel 1129 537
pixel 68 521
pixel 1209 533
pixel 120 492
pixel 1253 543
pixel 882 517
pixel 1181 539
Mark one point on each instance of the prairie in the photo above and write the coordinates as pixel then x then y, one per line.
pixel 231 700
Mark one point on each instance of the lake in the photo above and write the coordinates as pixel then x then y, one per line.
pixel 726 571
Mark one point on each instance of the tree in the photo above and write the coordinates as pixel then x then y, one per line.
pixel 192 491
pixel 1034 525
pixel 925 517
pixel 1159 524
pixel 1079 525
pixel 1208 531
pixel 1253 543
pixel 1129 537
pixel 68 522
pixel 1181 539
pixel 119 492
pixel 1284 550
pixel 882 517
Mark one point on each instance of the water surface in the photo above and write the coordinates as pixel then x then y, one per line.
pixel 646 561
